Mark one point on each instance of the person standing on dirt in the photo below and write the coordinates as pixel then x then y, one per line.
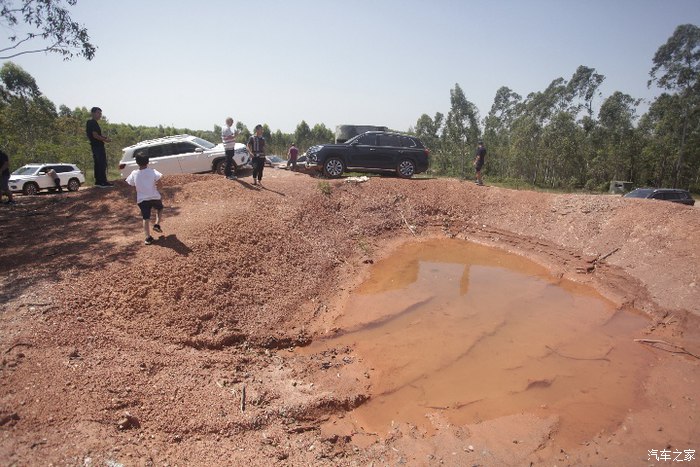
pixel 479 162
pixel 256 146
pixel 292 157
pixel 97 144
pixel 228 136
pixel 147 195
pixel 5 177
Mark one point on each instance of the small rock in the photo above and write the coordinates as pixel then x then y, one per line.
pixel 128 422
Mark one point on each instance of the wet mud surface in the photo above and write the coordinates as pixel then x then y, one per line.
pixel 348 324
pixel 475 334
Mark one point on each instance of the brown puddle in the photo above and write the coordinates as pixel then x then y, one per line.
pixel 476 333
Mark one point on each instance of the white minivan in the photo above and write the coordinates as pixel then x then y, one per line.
pixel 180 154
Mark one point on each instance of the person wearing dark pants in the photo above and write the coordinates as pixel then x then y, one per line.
pixel 97 144
pixel 228 136
pixel 256 146
pixel 5 178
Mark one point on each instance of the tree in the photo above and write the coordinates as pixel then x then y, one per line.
pixel 616 121
pixel 677 69
pixel 584 84
pixel 302 134
pixel 49 24
pixel 461 128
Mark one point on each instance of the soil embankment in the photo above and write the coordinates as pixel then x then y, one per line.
pixel 183 352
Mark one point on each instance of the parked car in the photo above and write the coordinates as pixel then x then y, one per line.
pixel 374 151
pixel 666 194
pixel 182 154
pixel 275 161
pixel 30 179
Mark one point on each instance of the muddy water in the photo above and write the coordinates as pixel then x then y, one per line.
pixel 476 333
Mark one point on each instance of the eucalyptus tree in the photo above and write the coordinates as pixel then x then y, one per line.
pixel 43 26
pixel 462 130
pixel 677 70
pixel 498 127
pixel 429 129
pixel 617 156
pixel 26 116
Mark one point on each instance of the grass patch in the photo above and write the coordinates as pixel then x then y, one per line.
pixel 325 188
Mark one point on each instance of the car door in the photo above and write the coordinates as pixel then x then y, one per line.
pixel 64 172
pixel 192 158
pixel 362 152
pixel 43 179
pixel 162 159
pixel 389 151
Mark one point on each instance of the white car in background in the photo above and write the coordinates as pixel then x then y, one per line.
pixel 182 154
pixel 30 179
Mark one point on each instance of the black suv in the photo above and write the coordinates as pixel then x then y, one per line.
pixel 667 194
pixel 371 151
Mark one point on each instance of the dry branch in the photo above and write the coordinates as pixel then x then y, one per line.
pixel 654 342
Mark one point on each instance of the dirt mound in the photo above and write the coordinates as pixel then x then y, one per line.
pixel 179 352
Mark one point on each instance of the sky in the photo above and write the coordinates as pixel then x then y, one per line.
pixel 380 62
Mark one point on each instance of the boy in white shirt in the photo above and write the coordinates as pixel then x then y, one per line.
pixel 147 195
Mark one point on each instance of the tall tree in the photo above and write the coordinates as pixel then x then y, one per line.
pixel 48 26
pixel 584 84
pixel 461 128
pixel 677 69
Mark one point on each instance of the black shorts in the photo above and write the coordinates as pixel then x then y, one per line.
pixel 149 204
pixel 479 165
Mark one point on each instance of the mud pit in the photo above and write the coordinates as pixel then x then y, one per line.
pixel 117 353
pixel 475 334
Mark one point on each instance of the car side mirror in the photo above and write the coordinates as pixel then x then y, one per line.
pixel 198 150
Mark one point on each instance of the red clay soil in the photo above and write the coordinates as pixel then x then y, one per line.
pixel 182 352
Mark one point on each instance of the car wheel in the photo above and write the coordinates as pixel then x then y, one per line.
pixel 30 188
pixel 73 184
pixel 333 167
pixel 220 167
pixel 406 168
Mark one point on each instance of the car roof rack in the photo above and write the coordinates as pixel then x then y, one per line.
pixel 162 139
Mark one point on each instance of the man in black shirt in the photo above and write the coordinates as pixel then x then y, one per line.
pixel 5 177
pixel 479 161
pixel 97 144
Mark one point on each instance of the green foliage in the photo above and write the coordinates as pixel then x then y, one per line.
pixel 553 139
pixel 325 188
pixel 49 27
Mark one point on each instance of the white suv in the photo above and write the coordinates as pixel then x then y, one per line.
pixel 32 178
pixel 182 154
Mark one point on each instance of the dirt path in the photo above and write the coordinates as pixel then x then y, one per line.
pixel 182 353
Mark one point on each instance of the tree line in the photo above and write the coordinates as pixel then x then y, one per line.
pixel 33 129
pixel 551 138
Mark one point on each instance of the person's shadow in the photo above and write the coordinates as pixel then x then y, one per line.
pixel 171 241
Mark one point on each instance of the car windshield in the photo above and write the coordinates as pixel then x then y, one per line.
pixel 204 143
pixel 353 139
pixel 276 159
pixel 25 171
pixel 639 193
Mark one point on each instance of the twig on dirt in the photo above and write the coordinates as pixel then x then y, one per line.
pixel 407 224
pixel 609 254
pixel 654 342
pixel 17 345
pixel 243 398
pixel 604 357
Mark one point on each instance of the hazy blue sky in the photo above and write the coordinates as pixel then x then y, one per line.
pixel 382 62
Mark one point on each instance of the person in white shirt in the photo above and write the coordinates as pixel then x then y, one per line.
pixel 228 136
pixel 147 195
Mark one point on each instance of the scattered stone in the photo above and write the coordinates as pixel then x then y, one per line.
pixel 128 422
pixel 6 419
